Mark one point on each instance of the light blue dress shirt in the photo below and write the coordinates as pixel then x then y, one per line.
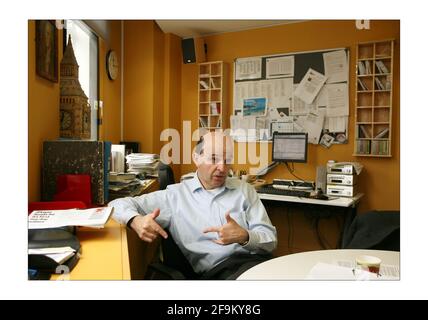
pixel 186 209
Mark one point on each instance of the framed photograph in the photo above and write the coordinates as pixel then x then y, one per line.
pixel 47 50
pixel 255 107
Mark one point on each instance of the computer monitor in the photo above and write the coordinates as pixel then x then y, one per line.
pixel 289 147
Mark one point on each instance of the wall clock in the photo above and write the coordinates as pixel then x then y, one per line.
pixel 112 65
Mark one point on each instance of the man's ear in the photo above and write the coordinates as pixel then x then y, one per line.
pixel 197 158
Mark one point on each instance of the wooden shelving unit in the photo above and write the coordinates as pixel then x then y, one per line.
pixel 373 98
pixel 212 88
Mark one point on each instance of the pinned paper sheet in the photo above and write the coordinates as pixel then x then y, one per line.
pixel 280 67
pixel 313 125
pixel 250 68
pixel 310 85
pixel 336 66
pixel 337 97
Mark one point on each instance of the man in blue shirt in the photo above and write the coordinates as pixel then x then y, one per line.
pixel 220 224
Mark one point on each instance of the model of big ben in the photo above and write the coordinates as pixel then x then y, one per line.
pixel 75 111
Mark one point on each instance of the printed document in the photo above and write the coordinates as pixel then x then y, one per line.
pixel 249 68
pixel 280 67
pixel 338 101
pixel 313 125
pixel 336 66
pixel 310 85
pixel 94 217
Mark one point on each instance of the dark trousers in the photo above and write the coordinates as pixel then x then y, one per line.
pixel 233 267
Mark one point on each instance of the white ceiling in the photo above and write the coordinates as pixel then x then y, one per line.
pixel 199 28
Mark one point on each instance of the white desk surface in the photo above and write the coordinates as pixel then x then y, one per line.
pixel 297 266
pixel 334 201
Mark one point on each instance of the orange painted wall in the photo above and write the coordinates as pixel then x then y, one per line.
pixel 380 180
pixel 110 89
pixel 138 83
pixel 43 113
pixel 43 106
pixel 152 84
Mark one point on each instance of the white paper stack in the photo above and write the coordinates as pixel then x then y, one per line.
pixel 145 163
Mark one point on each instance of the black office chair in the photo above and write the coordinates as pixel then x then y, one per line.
pixel 173 265
pixel 377 230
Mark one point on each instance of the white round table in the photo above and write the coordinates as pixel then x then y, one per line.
pixel 297 266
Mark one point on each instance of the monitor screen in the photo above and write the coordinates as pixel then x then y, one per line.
pixel 289 147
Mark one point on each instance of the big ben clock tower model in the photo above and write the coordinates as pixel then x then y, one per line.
pixel 75 111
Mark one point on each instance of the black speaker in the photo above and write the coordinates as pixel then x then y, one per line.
pixel 194 50
pixel 189 50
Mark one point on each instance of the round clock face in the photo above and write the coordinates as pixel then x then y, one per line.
pixel 65 120
pixel 112 65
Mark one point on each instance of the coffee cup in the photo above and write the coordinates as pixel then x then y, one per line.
pixel 369 263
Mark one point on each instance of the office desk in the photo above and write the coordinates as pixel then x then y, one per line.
pixel 297 266
pixel 104 254
pixel 348 204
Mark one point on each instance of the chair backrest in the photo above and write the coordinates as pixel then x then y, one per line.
pixel 172 255
pixel 378 230
pixel 166 176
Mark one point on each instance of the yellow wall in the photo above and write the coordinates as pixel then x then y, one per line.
pixel 380 180
pixel 161 92
pixel 110 89
pixel 43 105
pixel 43 113
pixel 152 78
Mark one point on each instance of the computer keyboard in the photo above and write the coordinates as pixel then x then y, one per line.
pixel 269 189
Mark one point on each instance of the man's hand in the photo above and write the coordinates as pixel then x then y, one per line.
pixel 231 232
pixel 147 228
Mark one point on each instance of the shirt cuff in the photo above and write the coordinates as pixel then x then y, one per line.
pixel 127 221
pixel 253 241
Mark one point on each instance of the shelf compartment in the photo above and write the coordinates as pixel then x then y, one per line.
pixel 204 96
pixel 381 131
pixel 365 51
pixel 364 115
pixel 383 49
pixel 364 131
pixel 364 99
pixel 216 69
pixel 215 121
pixel 365 83
pixel 204 70
pixel 382 98
pixel 215 83
pixel 215 95
pixel 204 108
pixel 380 147
pixel 381 115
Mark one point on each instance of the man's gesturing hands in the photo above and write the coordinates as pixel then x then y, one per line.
pixel 231 232
pixel 147 228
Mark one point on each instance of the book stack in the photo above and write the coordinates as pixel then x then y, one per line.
pixel 124 185
pixel 363 146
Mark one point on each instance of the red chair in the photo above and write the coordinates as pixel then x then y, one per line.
pixel 55 205
pixel 74 187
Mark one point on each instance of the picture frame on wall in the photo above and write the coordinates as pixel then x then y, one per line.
pixel 47 50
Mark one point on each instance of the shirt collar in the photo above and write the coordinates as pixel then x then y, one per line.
pixel 195 183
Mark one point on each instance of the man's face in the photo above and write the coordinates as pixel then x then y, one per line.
pixel 214 163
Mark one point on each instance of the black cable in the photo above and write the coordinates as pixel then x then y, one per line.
pixel 317 232
pixel 292 172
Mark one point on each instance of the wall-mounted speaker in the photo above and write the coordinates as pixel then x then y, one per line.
pixel 193 50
